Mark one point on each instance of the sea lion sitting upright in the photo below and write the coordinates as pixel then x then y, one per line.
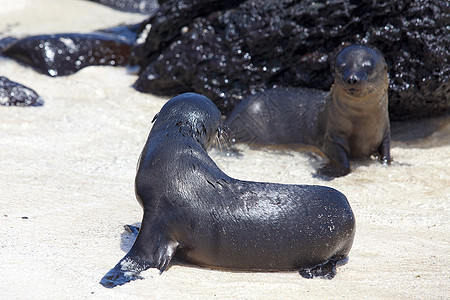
pixel 351 121
pixel 196 212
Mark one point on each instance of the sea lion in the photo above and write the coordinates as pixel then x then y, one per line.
pixel 351 121
pixel 196 212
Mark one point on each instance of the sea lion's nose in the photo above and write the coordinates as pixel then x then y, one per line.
pixel 352 79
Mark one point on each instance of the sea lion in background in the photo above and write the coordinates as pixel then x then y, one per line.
pixel 349 122
pixel 196 212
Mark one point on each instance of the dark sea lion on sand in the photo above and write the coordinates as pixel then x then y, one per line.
pixel 349 122
pixel 199 214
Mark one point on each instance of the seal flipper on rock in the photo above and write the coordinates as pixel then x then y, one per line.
pixel 152 249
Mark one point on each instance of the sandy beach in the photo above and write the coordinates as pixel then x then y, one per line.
pixel 66 190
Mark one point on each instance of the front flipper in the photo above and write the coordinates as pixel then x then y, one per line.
pixel 336 149
pixel 126 270
pixel 152 249
pixel 385 149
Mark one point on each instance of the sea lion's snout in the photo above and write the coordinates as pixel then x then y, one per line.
pixel 355 74
pixel 352 79
pixel 353 82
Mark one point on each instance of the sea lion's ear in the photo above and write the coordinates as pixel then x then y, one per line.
pixel 155 117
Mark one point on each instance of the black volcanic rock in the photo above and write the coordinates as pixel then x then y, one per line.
pixel 134 6
pixel 16 94
pixel 228 50
pixel 66 53
pixel 168 24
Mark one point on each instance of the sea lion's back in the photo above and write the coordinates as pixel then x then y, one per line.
pixel 277 116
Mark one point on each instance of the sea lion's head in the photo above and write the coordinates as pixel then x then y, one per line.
pixel 194 115
pixel 361 71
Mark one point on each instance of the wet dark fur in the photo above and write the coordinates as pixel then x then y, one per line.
pixel 351 121
pixel 196 212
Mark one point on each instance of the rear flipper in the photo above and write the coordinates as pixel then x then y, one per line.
pixel 132 229
pixel 324 271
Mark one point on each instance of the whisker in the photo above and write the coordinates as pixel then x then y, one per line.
pixel 221 141
pixel 227 141
pixel 375 87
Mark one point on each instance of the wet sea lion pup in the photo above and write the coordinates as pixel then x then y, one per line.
pixel 196 212
pixel 349 122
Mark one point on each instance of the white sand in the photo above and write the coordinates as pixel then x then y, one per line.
pixel 69 168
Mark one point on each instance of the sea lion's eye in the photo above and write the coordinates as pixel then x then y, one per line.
pixel 340 69
pixel 366 64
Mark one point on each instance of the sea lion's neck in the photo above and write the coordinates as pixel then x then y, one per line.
pixel 346 103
